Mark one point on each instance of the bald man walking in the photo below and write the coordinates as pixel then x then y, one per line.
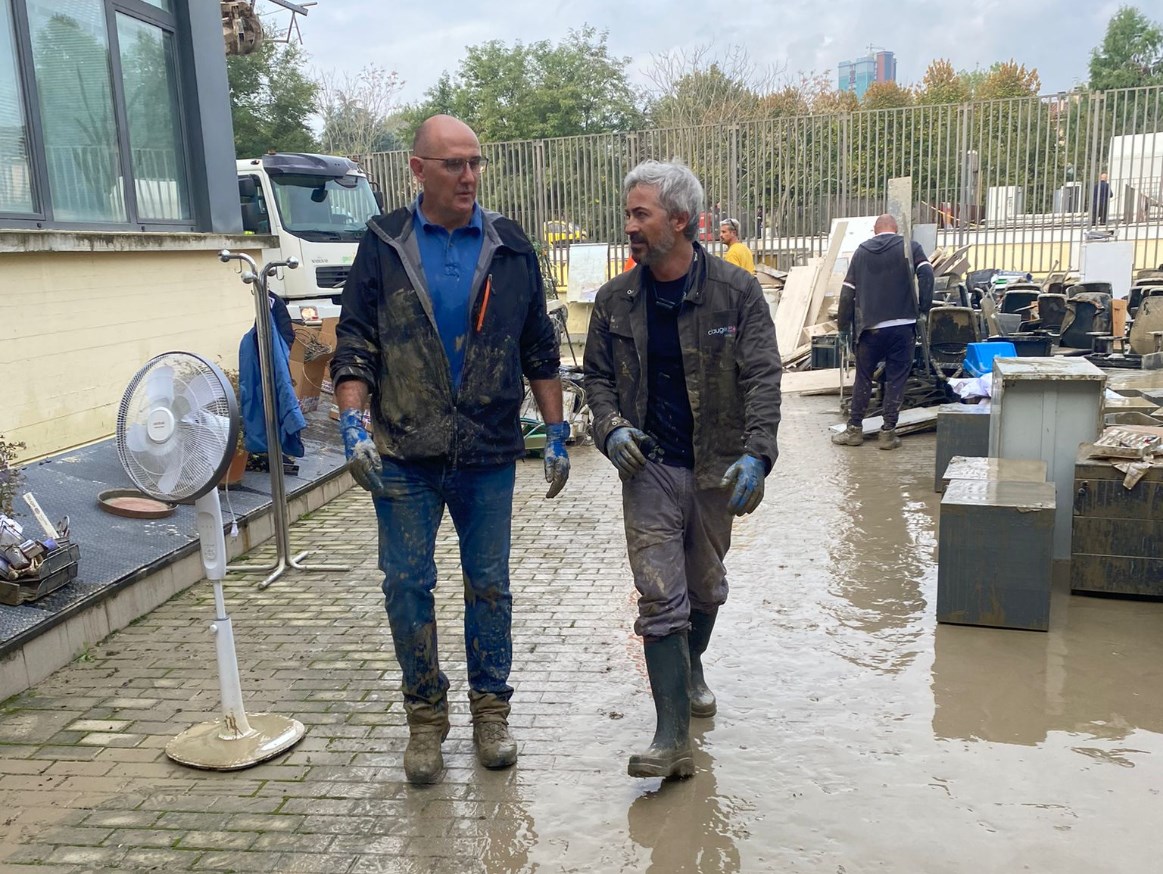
pixel 879 311
pixel 443 313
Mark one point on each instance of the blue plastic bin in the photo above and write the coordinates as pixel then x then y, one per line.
pixel 979 356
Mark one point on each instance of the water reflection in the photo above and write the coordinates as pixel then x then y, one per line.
pixel 687 825
pixel 1096 673
pixel 880 552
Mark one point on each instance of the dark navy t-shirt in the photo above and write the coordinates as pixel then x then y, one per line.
pixel 668 412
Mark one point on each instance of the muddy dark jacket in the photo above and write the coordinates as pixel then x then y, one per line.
pixel 730 361
pixel 387 337
pixel 877 287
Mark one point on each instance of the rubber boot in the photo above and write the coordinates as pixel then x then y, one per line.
pixel 427 730
pixel 853 435
pixel 490 730
pixel 888 439
pixel 668 663
pixel 702 698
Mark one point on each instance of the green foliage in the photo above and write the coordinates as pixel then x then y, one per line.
pixel 1008 79
pixel 1131 54
pixel 534 91
pixel 942 84
pixel 271 99
pixel 705 96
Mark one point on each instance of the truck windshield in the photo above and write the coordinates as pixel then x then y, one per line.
pixel 321 208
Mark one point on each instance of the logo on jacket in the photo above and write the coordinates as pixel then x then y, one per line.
pixel 725 331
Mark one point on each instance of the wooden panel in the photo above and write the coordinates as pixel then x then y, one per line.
pixel 1117 575
pixel 1125 537
pixel 1107 499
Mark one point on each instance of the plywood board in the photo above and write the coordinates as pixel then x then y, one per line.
pixel 588 271
pixel 793 306
pixel 823 279
pixel 816 381
pixel 910 421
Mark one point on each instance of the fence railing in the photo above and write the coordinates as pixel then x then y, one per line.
pixel 1010 174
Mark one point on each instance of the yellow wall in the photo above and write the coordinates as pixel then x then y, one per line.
pixel 75 326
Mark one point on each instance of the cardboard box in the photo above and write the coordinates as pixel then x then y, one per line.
pixel 308 378
pixel 309 375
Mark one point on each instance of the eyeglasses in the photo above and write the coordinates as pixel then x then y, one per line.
pixel 456 166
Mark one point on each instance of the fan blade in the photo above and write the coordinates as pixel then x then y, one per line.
pixel 159 385
pixel 170 477
pixel 201 392
pixel 137 439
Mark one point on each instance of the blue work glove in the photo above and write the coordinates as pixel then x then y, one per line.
pixel 628 447
pixel 366 464
pixel 747 475
pixel 556 458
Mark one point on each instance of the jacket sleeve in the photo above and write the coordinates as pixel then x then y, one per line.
pixel 925 277
pixel 760 373
pixel 846 310
pixel 357 353
pixel 540 353
pixel 599 377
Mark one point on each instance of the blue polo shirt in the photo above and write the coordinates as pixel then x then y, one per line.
pixel 449 263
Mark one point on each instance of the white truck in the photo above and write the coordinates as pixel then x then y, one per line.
pixel 318 207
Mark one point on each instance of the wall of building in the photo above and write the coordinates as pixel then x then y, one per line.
pixel 82 312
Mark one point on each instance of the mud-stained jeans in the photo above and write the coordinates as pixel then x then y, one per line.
pixel 409 511
pixel 676 537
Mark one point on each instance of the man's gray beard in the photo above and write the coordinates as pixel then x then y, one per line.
pixel 656 253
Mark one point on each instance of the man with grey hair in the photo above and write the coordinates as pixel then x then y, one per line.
pixel 737 253
pixel 682 374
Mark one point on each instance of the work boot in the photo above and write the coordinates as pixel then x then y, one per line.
pixel 888 439
pixel 490 730
pixel 427 730
pixel 702 698
pixel 668 664
pixel 853 435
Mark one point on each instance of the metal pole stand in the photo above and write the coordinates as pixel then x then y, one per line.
pixel 283 557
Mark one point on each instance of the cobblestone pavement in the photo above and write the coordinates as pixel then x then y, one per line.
pixel 853 733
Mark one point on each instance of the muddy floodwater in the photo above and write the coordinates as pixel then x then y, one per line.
pixel 853 734
pixel 856 734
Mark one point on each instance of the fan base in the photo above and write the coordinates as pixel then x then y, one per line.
pixel 203 745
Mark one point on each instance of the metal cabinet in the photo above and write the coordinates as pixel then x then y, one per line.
pixel 1043 408
pixel 1117 545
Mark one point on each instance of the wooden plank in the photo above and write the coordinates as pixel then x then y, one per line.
pixel 909 422
pixel 794 301
pixel 824 274
pixel 815 381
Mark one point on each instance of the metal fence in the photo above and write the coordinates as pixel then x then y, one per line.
pixel 1016 179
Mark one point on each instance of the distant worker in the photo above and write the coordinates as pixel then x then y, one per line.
pixel 737 253
pixel 878 316
pixel 1100 203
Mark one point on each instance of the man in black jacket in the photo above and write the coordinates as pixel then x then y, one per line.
pixel 682 374
pixel 443 312
pixel 879 312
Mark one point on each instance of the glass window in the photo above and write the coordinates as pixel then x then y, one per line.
pixel 15 173
pixel 70 48
pixel 167 5
pixel 151 107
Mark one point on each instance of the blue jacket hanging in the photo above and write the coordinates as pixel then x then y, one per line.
pixel 288 414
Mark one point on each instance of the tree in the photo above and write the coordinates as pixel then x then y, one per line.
pixel 699 86
pixel 1131 54
pixel 886 95
pixel 535 91
pixel 941 84
pixel 271 99
pixel 1008 79
pixel 357 111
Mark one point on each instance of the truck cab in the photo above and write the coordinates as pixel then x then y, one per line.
pixel 318 207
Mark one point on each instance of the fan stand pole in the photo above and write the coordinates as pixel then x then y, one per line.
pixel 232 742
pixel 284 559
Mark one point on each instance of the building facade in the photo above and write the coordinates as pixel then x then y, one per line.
pixel 856 76
pixel 117 188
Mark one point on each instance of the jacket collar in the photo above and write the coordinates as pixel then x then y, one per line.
pixel 398 225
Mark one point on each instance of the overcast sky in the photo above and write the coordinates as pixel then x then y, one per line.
pixel 420 40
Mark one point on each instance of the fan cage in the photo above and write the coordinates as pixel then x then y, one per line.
pixel 205 427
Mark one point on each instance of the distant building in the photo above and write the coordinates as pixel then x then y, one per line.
pixel 856 76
